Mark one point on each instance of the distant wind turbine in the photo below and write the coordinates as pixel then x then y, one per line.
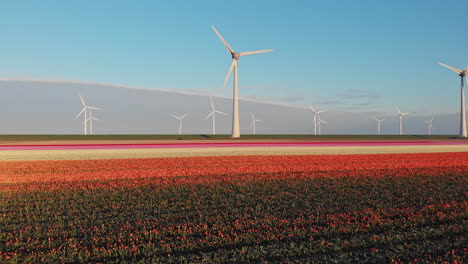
pixel 180 121
pixel 213 114
pixel 316 117
pixel 320 126
pixel 429 126
pixel 90 119
pixel 235 57
pixel 85 111
pixel 464 81
pixel 379 121
pixel 254 121
pixel 401 119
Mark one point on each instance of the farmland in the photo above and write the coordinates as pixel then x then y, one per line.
pixel 302 208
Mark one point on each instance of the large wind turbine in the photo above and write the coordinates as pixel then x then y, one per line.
pixel 85 111
pixel 213 113
pixel 180 121
pixel 378 125
pixel 254 121
pixel 316 117
pixel 429 126
pixel 401 119
pixel 464 81
pixel 235 57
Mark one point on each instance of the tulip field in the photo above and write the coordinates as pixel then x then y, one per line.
pixel 387 208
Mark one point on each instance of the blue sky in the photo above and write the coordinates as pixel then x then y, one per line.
pixel 351 55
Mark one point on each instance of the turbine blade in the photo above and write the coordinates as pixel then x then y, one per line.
pixel 219 112
pixel 450 67
pixel 184 116
pixel 252 116
pixel 208 116
pixel 212 105
pixel 175 116
pixel 311 108
pixel 251 125
pixel 254 52
pixel 94 108
pixel 398 109
pixel 233 64
pixel 259 120
pixel 82 101
pixel 80 113
pixel 231 51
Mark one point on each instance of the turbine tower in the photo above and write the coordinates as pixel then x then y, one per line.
pixel 401 119
pixel 429 126
pixel 464 81
pixel 85 111
pixel 316 117
pixel 379 121
pixel 180 121
pixel 235 57
pixel 254 121
pixel 213 113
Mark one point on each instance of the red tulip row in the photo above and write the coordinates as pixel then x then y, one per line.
pixel 13 172
pixel 368 208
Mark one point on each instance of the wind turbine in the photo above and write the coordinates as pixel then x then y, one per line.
pixel 429 125
pixel 85 111
pixel 320 126
pixel 401 119
pixel 235 57
pixel 213 113
pixel 180 121
pixel 254 121
pixel 464 81
pixel 378 125
pixel 90 119
pixel 316 117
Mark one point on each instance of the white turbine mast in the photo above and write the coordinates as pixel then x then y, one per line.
pixel 464 81
pixel 429 126
pixel 401 119
pixel 254 121
pixel 213 114
pixel 235 57
pixel 85 111
pixel 180 121
pixel 316 117
pixel 379 121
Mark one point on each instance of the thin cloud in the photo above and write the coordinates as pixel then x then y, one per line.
pixel 359 94
pixel 353 99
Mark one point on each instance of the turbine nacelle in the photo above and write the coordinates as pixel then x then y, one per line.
pixel 235 55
